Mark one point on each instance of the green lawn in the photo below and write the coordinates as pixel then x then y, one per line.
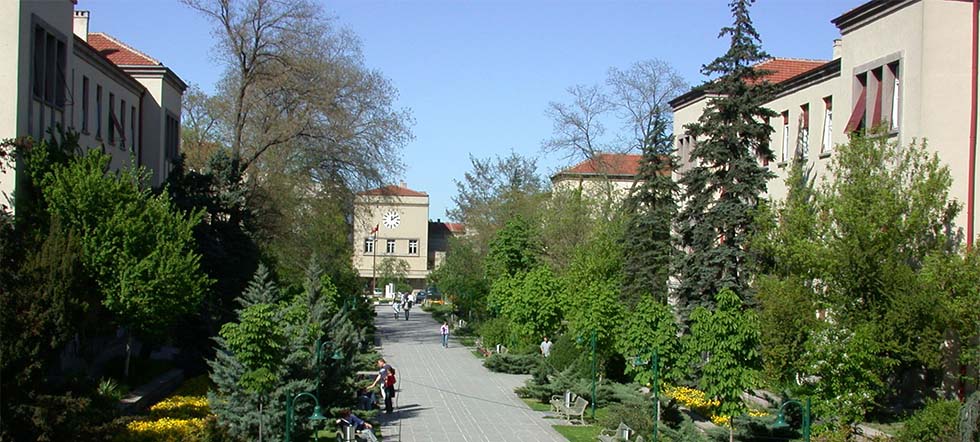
pixel 536 405
pixel 578 433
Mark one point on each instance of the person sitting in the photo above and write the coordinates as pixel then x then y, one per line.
pixel 349 419
pixel 365 399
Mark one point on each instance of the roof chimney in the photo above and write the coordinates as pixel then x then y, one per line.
pixel 81 24
pixel 837 48
pixel 402 184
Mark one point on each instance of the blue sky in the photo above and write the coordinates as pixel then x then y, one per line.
pixel 478 74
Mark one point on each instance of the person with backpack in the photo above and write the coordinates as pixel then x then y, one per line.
pixel 389 389
pixel 407 308
pixel 384 369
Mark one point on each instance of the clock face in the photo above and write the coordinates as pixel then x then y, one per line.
pixel 391 219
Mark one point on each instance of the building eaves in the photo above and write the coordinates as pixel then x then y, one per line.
pixel 392 190
pixel 94 56
pixel 781 69
pixel 867 13
pixel 119 52
pixel 820 73
pixel 157 71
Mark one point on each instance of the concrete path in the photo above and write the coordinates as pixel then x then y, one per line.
pixel 446 395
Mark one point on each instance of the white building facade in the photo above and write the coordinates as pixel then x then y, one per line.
pixel 57 73
pixel 904 64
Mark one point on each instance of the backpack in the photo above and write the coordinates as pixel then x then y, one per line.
pixel 390 379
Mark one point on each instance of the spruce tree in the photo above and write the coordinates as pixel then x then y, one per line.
pixel 298 324
pixel 723 186
pixel 651 208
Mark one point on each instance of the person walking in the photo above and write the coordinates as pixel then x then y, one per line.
pixel 396 307
pixel 407 307
pixel 545 347
pixel 444 331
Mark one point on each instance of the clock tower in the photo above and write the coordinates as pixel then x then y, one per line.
pixel 391 222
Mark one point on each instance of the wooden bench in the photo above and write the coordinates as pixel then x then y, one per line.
pixel 621 434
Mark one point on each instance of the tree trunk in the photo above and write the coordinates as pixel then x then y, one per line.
pixel 129 352
pixel 261 419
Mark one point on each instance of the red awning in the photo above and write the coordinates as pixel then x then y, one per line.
pixel 858 113
pixel 876 112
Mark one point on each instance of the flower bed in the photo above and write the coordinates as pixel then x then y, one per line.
pixel 184 416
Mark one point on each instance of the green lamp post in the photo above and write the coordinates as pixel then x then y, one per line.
pixel 336 356
pixel 655 389
pixel 316 416
pixel 781 417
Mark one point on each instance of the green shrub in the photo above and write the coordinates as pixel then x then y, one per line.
pixel 937 422
pixel 636 415
pixel 494 331
pixel 515 364
pixel 565 354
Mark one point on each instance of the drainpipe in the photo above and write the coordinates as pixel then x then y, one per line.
pixel 971 193
pixel 972 148
pixel 139 141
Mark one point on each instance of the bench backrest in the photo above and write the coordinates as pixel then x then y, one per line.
pixel 579 405
pixel 624 431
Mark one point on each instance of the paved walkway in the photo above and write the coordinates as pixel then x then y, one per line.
pixel 446 395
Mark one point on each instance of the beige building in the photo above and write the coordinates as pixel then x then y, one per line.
pixel 902 63
pixel 58 73
pixel 604 177
pixel 392 222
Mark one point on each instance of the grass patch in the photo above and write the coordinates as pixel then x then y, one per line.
pixel 478 354
pixel 468 341
pixel 578 433
pixel 536 405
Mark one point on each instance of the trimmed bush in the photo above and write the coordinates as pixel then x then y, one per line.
pixel 937 422
pixel 515 364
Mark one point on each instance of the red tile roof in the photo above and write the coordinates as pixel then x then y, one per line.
pixel 606 164
pixel 392 190
pixel 455 227
pixel 119 53
pixel 782 69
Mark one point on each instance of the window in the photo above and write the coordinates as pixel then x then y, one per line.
pixel 122 123
pixel 826 142
pixel 171 137
pixel 49 58
pixel 856 122
pixel 785 147
pixel 368 245
pixel 413 247
pixel 98 112
pixel 895 96
pixel 878 92
pixel 112 118
pixel 391 247
pixel 803 141
pixel 132 128
pixel 84 104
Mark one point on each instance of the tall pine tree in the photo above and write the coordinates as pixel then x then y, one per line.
pixel 651 208
pixel 723 186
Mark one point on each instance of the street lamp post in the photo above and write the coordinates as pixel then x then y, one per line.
pixel 316 416
pixel 781 417
pixel 655 389
pixel 337 355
